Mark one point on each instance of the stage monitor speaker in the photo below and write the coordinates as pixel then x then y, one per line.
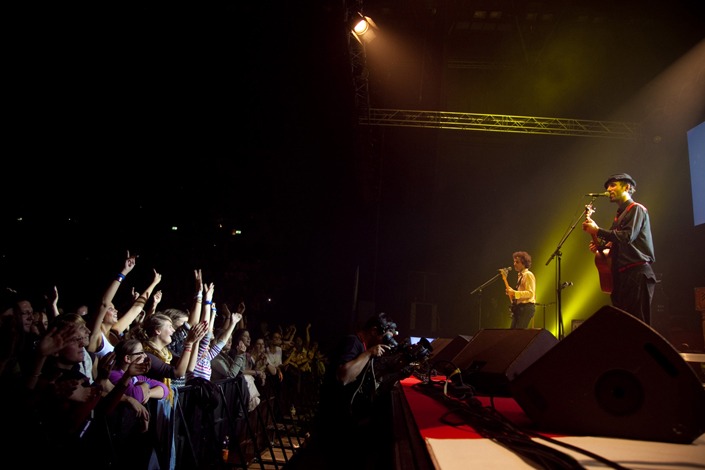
pixel 495 356
pixel 615 376
pixel 444 350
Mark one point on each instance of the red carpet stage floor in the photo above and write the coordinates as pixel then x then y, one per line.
pixel 455 444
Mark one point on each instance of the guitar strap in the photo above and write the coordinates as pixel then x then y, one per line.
pixel 618 219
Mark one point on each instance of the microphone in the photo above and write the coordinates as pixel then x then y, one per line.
pixel 605 194
pixel 505 269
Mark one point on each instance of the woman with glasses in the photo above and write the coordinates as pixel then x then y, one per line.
pixel 141 387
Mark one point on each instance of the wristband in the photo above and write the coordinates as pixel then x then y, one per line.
pixel 120 277
pixel 208 302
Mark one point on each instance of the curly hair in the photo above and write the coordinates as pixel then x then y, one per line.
pixel 524 257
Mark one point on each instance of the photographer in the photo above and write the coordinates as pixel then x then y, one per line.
pixel 353 424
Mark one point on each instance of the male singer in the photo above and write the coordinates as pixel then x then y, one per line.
pixel 631 249
pixel 524 296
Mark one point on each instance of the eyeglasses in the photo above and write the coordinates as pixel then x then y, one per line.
pixel 141 353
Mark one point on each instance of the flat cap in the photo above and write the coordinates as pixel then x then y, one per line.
pixel 621 177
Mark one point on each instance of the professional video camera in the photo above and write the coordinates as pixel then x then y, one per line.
pixel 403 358
pixel 383 372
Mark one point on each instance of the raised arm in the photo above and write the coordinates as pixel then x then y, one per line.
pixel 112 289
pixel 195 313
pixel 106 302
pixel 208 291
pixel 227 332
pixel 228 315
pixel 187 361
pixel 52 300
pixel 156 298
pixel 138 305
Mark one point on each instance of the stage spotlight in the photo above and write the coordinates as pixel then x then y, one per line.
pixel 363 28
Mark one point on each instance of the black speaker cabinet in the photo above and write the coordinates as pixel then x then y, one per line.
pixel 495 356
pixel 444 350
pixel 615 376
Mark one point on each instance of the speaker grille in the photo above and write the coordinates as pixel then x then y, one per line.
pixel 615 376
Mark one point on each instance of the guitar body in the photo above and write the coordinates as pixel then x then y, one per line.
pixel 603 262
pixel 603 259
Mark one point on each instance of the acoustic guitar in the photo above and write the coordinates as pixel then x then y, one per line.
pixel 603 259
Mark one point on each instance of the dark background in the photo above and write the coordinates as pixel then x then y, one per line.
pixel 126 120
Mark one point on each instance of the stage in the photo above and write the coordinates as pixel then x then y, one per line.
pixel 447 441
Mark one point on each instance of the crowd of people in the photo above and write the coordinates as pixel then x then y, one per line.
pixel 100 385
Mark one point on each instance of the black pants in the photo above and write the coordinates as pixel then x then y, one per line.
pixel 522 315
pixel 633 291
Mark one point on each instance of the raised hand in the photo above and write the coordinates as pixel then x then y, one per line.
pixel 157 278
pixel 138 368
pixel 130 262
pixel 198 277
pixel 196 333
pixel 54 341
pixel 208 291
pixel 52 297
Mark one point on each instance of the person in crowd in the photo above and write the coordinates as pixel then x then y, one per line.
pixel 297 367
pixel 274 352
pixel 141 387
pixel 131 429
pixel 523 297
pixel 318 361
pixel 158 330
pixel 210 348
pixel 628 248
pixel 40 323
pixel 108 327
pixel 243 359
pixel 68 411
pixel 230 364
pixel 261 360
pixel 226 365
pixel 182 320
pixel 19 339
pixel 136 328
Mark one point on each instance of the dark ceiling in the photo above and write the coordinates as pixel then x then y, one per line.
pixel 574 58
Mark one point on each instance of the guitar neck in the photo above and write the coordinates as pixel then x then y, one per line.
pixel 506 284
pixel 595 239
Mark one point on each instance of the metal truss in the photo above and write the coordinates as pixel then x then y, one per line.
pixel 499 123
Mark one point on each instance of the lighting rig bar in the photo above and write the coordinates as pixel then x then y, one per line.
pixel 499 123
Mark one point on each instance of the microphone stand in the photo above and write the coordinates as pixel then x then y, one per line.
pixel 479 290
pixel 559 287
